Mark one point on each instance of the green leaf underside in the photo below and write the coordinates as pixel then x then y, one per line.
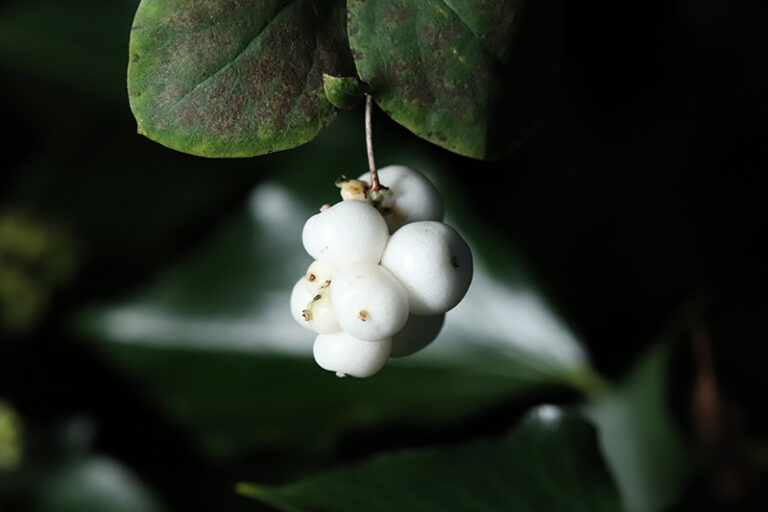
pixel 343 92
pixel 230 78
pixel 236 402
pixel 638 438
pixel 549 462
pixel 212 342
pixel 469 76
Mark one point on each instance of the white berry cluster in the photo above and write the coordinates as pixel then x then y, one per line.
pixel 386 270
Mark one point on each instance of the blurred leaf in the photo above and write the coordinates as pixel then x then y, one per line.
pixel 638 439
pixel 549 462
pixel 95 484
pixel 11 438
pixel 36 258
pixel 77 43
pixel 212 341
pixel 471 77
pixel 231 79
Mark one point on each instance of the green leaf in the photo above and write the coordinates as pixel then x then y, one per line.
pixel 638 438
pixel 343 92
pixel 211 340
pixel 547 463
pixel 469 76
pixel 224 78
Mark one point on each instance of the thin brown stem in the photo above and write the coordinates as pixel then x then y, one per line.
pixel 375 185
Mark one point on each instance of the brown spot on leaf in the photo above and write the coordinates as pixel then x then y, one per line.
pixel 396 16
pixel 307 107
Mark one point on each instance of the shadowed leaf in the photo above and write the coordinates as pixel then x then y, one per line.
pixel 471 76
pixel 638 439
pixel 548 463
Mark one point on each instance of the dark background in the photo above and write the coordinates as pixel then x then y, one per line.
pixel 639 203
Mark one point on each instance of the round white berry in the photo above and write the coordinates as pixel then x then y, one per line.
pixel 370 303
pixel 319 313
pixel 348 232
pixel 419 331
pixel 318 276
pixel 300 299
pixel 433 263
pixel 415 197
pixel 346 355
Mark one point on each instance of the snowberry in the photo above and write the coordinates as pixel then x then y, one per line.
pixel 370 303
pixel 318 276
pixel 419 331
pixel 319 313
pixel 344 354
pixel 300 298
pixel 348 232
pixel 433 263
pixel 411 194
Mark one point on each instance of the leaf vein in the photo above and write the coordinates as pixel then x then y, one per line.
pixel 226 66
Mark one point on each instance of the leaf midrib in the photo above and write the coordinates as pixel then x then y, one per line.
pixel 239 54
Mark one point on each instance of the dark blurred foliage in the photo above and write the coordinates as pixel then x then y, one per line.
pixel 639 203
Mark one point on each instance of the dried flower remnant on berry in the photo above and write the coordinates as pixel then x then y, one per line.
pixel 352 190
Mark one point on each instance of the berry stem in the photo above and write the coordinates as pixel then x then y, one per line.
pixel 375 185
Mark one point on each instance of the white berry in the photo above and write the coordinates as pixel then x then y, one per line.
pixel 318 276
pixel 346 355
pixel 433 263
pixel 300 299
pixel 320 315
pixel 415 197
pixel 370 303
pixel 348 232
pixel 419 331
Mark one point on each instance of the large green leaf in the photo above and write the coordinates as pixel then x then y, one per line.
pixel 470 76
pixel 548 463
pixel 211 339
pixel 638 438
pixel 229 78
